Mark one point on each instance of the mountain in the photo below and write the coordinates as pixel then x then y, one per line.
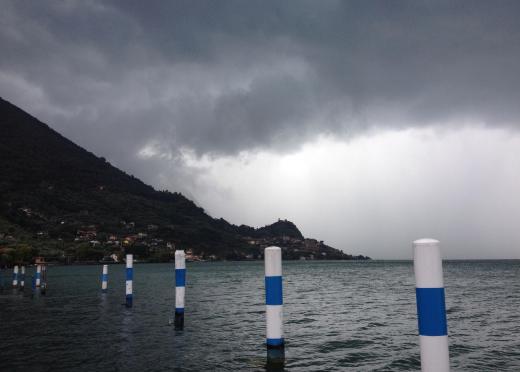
pixel 63 202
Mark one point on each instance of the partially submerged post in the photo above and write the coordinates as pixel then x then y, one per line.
pixel 40 267
pixel 104 279
pixel 38 275
pixel 22 278
pixel 431 308
pixel 180 288
pixel 274 297
pixel 15 276
pixel 129 279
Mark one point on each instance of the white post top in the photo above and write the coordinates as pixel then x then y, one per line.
pixel 105 269
pixel 427 264
pixel 180 259
pixel 426 241
pixel 273 261
pixel 129 260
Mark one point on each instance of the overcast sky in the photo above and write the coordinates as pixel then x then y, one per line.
pixel 367 123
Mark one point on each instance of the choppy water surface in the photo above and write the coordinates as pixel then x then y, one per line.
pixel 338 316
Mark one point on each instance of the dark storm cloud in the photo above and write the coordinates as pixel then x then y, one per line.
pixel 223 77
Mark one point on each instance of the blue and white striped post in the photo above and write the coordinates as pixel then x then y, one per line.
pixel 38 275
pixel 273 297
pixel 431 308
pixel 22 278
pixel 15 276
pixel 180 287
pixel 104 279
pixel 129 279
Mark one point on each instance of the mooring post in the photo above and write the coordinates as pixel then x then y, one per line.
pixel 274 297
pixel 180 287
pixel 15 276
pixel 22 278
pixel 104 279
pixel 38 275
pixel 431 307
pixel 129 279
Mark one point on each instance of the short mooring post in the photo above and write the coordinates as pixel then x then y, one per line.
pixel 104 279
pixel 15 276
pixel 431 308
pixel 38 275
pixel 274 297
pixel 180 287
pixel 129 279
pixel 22 278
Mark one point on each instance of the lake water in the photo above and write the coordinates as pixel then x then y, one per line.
pixel 357 316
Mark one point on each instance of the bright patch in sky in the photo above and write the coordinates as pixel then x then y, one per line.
pixel 375 194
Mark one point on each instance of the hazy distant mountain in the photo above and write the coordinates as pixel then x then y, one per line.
pixel 63 201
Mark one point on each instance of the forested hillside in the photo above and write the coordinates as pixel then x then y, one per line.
pixel 63 202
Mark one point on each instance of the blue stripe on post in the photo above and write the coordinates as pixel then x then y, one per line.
pixel 129 273
pixel 274 342
pixel 179 310
pixel 180 277
pixel 37 275
pixel 104 277
pixel 431 311
pixel 273 290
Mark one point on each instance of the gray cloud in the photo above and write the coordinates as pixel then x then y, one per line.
pixel 223 77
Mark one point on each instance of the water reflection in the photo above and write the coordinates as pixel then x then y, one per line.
pixel 179 321
pixel 275 360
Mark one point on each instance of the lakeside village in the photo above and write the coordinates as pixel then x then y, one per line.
pixel 148 243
